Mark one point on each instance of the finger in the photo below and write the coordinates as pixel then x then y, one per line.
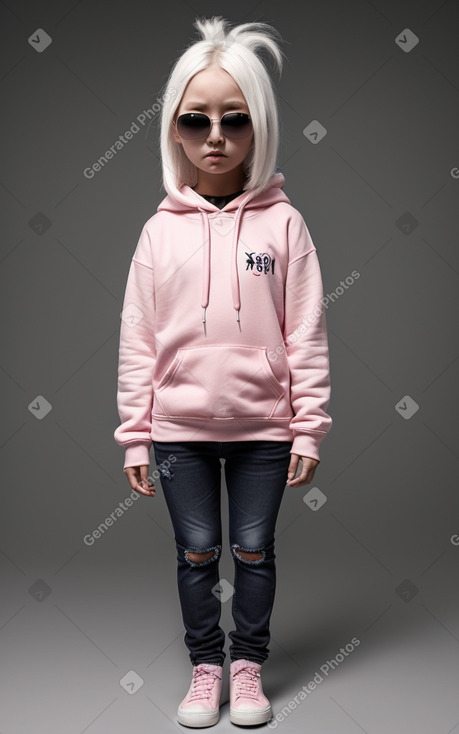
pixel 297 481
pixel 142 488
pixel 144 482
pixel 302 478
pixel 305 477
pixel 293 466
pixel 138 484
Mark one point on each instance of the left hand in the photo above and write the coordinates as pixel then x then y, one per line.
pixel 307 471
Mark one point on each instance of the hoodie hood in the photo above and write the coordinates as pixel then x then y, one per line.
pixel 187 201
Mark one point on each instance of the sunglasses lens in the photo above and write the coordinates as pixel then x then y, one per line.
pixel 236 125
pixel 196 125
pixel 193 125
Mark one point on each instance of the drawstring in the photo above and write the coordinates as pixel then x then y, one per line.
pixel 206 264
pixel 235 288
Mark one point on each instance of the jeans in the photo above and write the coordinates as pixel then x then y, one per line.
pixel 256 476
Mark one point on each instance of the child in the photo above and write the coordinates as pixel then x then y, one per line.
pixel 223 353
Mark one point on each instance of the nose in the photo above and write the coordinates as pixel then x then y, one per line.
pixel 218 135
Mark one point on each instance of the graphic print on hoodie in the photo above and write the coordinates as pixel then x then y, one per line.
pixel 223 333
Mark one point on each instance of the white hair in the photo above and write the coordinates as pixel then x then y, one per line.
pixel 234 51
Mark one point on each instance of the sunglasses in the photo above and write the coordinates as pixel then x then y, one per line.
pixel 197 125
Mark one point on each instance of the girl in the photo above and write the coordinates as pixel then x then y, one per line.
pixel 223 354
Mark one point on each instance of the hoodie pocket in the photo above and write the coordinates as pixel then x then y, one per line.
pixel 222 382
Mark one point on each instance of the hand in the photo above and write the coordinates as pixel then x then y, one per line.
pixel 307 472
pixel 138 479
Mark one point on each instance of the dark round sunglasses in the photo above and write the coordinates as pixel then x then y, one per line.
pixel 197 125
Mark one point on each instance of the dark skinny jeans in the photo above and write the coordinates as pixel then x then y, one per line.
pixel 256 476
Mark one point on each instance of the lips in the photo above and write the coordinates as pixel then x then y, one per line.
pixel 216 152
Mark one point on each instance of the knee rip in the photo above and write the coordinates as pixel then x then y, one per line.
pixel 202 558
pixel 248 556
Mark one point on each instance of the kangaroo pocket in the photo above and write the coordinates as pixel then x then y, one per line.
pixel 223 382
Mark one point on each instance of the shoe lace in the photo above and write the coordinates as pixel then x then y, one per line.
pixel 246 683
pixel 203 683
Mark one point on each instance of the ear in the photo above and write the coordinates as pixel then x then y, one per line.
pixel 177 137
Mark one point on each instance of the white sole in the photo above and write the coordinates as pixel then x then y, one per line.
pixel 195 719
pixel 248 718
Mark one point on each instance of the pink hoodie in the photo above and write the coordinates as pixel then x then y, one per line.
pixel 223 336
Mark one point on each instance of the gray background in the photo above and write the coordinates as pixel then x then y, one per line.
pixel 378 561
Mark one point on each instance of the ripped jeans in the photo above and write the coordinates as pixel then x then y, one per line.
pixel 256 476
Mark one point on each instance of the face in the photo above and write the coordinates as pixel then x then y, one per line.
pixel 214 92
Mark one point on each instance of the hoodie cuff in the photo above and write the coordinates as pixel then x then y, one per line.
pixel 137 453
pixel 307 444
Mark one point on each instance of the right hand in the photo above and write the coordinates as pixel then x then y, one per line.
pixel 138 479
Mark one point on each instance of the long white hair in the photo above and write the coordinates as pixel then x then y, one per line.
pixel 234 50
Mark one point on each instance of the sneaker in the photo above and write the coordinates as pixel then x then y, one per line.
pixel 248 704
pixel 201 705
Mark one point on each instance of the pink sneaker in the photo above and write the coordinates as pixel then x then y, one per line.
pixel 248 704
pixel 201 705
